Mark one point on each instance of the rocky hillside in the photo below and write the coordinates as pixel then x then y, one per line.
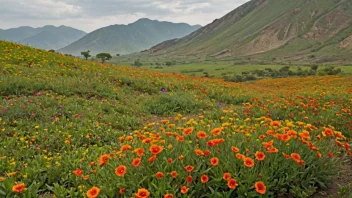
pixel 273 29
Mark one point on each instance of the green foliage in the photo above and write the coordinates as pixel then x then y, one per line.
pixel 86 54
pixel 104 57
pixel 169 103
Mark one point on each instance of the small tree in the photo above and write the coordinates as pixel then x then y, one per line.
pixel 104 57
pixel 137 63
pixel 86 54
pixel 314 67
pixel 117 54
pixel 52 51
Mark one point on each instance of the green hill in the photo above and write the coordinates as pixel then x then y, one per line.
pixel 47 37
pixel 134 37
pixel 297 30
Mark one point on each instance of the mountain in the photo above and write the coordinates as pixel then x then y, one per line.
pixel 299 30
pixel 47 37
pixel 125 39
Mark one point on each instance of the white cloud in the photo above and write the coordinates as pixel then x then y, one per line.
pixel 89 15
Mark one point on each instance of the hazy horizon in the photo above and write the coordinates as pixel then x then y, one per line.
pixel 89 16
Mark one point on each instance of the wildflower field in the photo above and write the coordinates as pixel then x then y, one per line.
pixel 74 128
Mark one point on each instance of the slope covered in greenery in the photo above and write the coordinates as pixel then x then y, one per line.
pixel 301 30
pixel 134 37
pixel 47 37
pixel 70 127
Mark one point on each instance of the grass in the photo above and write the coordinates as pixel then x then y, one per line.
pixel 75 128
pixel 221 69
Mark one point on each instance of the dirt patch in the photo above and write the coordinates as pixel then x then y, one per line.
pixel 344 178
pixel 328 26
pixel 269 40
pixel 347 43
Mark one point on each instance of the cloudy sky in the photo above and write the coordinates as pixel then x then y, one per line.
pixel 89 15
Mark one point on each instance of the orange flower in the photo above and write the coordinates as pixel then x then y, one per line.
pixel 142 193
pixel 189 179
pixel 235 149
pixel 189 168
pixel 275 123
pixel 214 161
pixel 286 156
pixel 187 131
pixel 93 192
pixel 249 162
pixel 227 176
pixel 260 156
pixel 202 135
pixel 139 151
pixel 126 147
pixel 232 184
pixel 216 131
pixel 240 156
pixel 272 150
pixel 329 132
pixel 174 174
pixel 152 159
pixel 159 175
pixel 268 144
pixel 206 153
pixel 296 157
pixel 204 178
pixel 122 191
pixel 78 172
pixel 168 196
pixel 330 155
pixel 199 152
pixel 184 189
pixel 260 187
pixel 104 159
pixel 85 177
pixel 18 188
pixel 164 121
pixel 154 149
pixel 180 138
pixel 136 162
pixel 169 160
pixel 121 170
pixel 347 146
pixel 180 157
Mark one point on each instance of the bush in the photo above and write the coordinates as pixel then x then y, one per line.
pixel 169 103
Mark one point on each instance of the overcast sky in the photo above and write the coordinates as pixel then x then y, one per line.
pixel 89 15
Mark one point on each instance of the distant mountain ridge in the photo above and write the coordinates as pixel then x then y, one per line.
pixel 304 30
pixel 125 39
pixel 47 37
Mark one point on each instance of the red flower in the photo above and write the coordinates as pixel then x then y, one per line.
pixel 260 187
pixel 232 184
pixel 260 156
pixel 204 178
pixel 78 172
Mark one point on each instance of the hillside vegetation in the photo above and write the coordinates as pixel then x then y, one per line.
pixel 47 37
pixel 74 128
pixel 300 30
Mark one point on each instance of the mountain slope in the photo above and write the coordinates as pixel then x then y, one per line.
pixel 134 37
pixel 271 28
pixel 47 37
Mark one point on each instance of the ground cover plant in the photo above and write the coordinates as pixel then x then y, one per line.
pixel 75 128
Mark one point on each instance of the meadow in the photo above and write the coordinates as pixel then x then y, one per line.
pixel 75 128
pixel 218 68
